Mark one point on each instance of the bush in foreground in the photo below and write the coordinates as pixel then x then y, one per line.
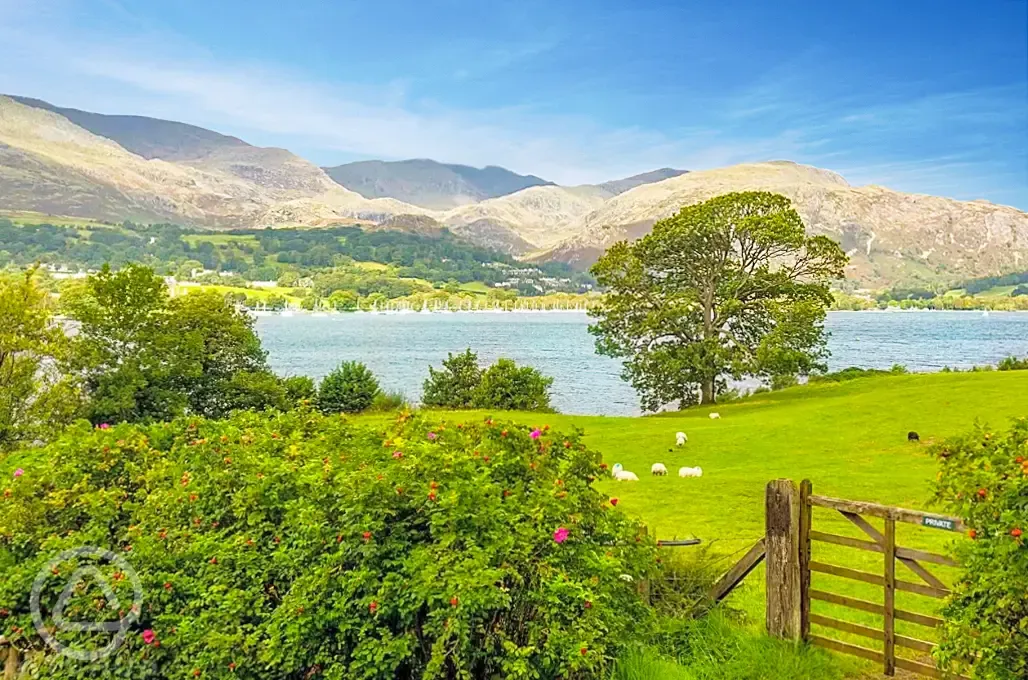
pixel 504 385
pixel 509 387
pixel 454 385
pixel 1013 364
pixel 984 479
pixel 351 388
pixel 302 546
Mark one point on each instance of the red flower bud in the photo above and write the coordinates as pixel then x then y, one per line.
pixel 367 536
pixel 614 501
pixel 453 601
pixel 1016 533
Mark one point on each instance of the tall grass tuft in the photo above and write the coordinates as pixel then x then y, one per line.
pixel 389 401
pixel 718 648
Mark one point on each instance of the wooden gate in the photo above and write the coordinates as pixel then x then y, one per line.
pixel 882 542
pixel 786 548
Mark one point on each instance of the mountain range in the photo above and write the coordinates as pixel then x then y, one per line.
pixel 69 162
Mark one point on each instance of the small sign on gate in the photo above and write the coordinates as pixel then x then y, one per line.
pixel 938 523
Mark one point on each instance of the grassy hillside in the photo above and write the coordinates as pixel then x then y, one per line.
pixel 849 438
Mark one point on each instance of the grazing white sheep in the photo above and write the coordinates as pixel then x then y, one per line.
pixel 690 472
pixel 682 439
pixel 622 475
pixel 715 416
pixel 658 469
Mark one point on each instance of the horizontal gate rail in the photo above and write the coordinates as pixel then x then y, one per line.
pixel 873 633
pixel 886 511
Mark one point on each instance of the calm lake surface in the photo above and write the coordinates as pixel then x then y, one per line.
pixel 400 347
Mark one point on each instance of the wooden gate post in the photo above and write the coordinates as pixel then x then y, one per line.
pixel 784 578
pixel 806 514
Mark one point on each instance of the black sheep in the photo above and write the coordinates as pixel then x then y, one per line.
pixel 913 437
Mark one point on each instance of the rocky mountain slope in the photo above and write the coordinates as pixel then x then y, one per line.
pixel 620 186
pixel 69 162
pixel 891 237
pixel 429 184
pixel 50 164
pixel 538 216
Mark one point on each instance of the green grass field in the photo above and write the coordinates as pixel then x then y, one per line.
pixel 257 293
pixel 220 239
pixel 849 439
pixel 477 287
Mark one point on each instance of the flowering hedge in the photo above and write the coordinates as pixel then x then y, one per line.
pixel 984 478
pixel 299 545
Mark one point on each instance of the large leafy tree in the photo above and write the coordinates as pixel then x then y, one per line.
pixel 35 398
pixel 222 365
pixel 125 360
pixel 143 356
pixel 728 288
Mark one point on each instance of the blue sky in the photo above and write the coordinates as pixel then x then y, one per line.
pixel 921 96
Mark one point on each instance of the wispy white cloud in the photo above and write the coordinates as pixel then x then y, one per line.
pixel 358 120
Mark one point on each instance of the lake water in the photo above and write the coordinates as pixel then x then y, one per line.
pixel 400 347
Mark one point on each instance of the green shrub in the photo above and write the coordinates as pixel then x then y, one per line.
pixel 454 386
pixel 351 388
pixel 684 580
pixel 508 387
pixel 390 401
pixel 780 382
pixel 299 388
pixel 1013 364
pixel 984 479
pixel 252 391
pixel 854 373
pixel 298 545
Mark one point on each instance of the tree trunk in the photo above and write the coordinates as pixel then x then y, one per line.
pixel 707 386
pixel 707 391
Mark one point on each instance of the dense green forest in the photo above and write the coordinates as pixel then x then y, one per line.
pixel 271 254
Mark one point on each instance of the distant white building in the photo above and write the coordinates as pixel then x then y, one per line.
pixel 61 275
pixel 263 284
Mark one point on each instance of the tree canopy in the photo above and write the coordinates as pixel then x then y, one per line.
pixel 35 399
pixel 141 355
pixel 728 288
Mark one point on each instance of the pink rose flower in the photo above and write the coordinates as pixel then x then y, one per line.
pixel 18 473
pixel 104 426
pixel 432 436
pixel 560 535
pixel 397 455
pixel 149 636
pixel 536 433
